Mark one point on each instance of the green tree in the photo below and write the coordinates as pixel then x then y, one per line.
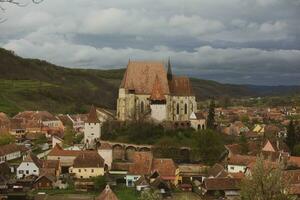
pixel 296 150
pixel 210 146
pixel 6 138
pixel 41 139
pixel 78 138
pixel 291 138
pixel 211 115
pixel 150 195
pixel 99 183
pixel 266 182
pixel 69 136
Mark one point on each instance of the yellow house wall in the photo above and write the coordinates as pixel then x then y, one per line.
pixel 87 172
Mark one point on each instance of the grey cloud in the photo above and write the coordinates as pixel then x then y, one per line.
pixel 237 41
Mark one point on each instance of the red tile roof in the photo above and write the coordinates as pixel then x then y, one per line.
pixel 180 86
pixel 59 151
pixel 88 159
pixel 157 93
pixel 242 160
pixel 142 163
pixel 222 183
pixel 11 148
pixel 140 76
pixel 107 194
pixel 165 167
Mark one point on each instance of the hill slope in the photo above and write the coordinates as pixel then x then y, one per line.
pixel 34 84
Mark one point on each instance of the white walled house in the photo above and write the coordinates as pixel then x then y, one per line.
pixel 92 128
pixel 31 165
pixel 239 163
pixel 198 121
pixel 11 151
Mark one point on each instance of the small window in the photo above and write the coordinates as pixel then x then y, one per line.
pixel 185 109
pixel 232 168
pixel 79 170
pixel 92 170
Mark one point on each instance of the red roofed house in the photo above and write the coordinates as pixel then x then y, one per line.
pixel 148 90
pixel 144 165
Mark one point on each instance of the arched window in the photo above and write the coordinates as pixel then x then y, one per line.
pixel 185 109
pixel 142 107
pixel 177 109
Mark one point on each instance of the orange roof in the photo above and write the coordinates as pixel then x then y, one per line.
pixel 181 86
pixel 92 117
pixel 58 151
pixel 107 194
pixel 157 93
pixel 165 167
pixel 142 163
pixel 241 160
pixel 140 76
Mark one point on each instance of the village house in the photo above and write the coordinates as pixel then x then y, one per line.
pixel 39 121
pixel 149 91
pixel 66 157
pixel 144 165
pixel 106 152
pixel 31 165
pixel 239 163
pixel 87 165
pixel 12 151
pixel 198 121
pixel 225 187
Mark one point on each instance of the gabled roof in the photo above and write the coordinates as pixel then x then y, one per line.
pixel 107 194
pixel 33 158
pixel 140 77
pixel 89 159
pixel 157 92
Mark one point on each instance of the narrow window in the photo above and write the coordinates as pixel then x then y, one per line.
pixel 177 109
pixel 185 109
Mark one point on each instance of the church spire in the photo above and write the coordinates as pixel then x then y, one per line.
pixel 169 74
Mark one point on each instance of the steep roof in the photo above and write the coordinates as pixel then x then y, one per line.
pixel 140 76
pixel 92 117
pixel 157 93
pixel 89 159
pixel 33 158
pixel 181 86
pixel 217 171
pixel 107 194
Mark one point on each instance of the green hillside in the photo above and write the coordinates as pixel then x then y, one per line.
pixel 27 84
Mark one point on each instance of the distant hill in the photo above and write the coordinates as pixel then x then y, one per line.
pixel 27 84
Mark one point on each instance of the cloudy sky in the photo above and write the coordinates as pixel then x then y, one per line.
pixel 231 41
